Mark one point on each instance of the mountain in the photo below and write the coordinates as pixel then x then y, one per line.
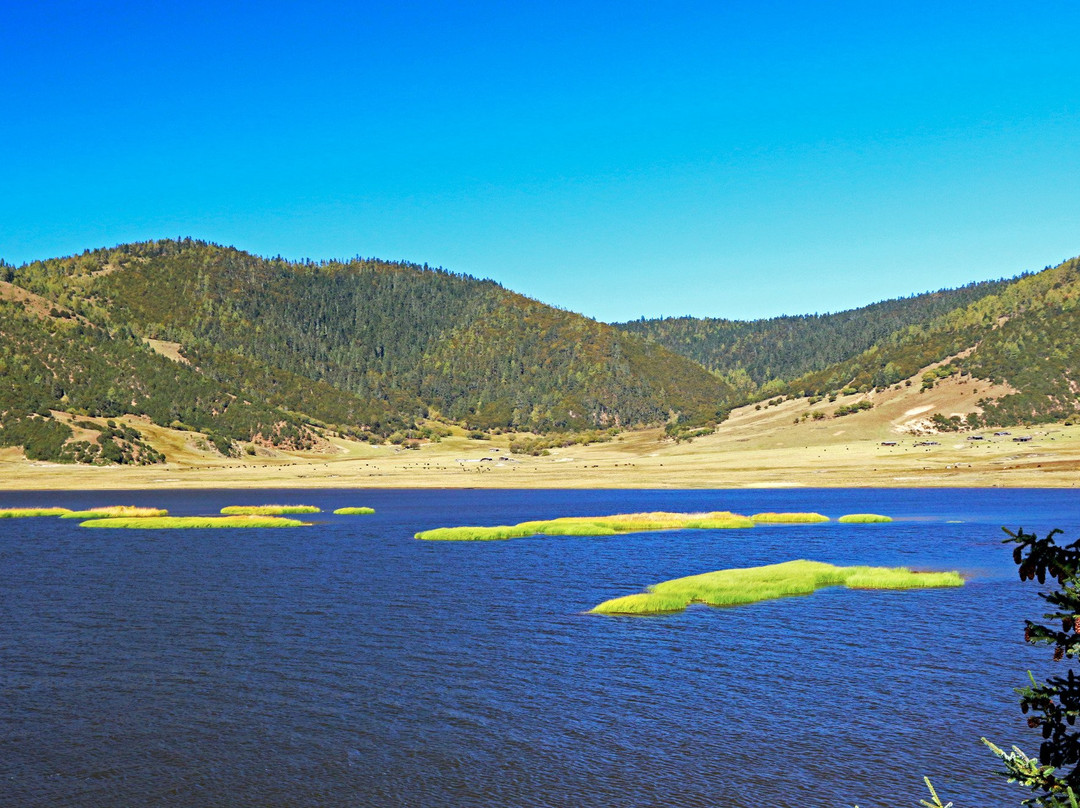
pixel 753 353
pixel 238 348
pixel 270 349
pixel 1026 334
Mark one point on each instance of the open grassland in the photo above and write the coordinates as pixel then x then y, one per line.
pixel 592 526
pixel 116 512
pixel 787 518
pixel 863 518
pixel 160 522
pixel 736 587
pixel 754 448
pixel 20 513
pixel 268 510
pixel 353 511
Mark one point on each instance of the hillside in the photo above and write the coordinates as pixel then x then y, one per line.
pixel 1025 335
pixel 251 355
pixel 753 353
pixel 365 346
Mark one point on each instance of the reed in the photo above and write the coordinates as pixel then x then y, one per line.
pixel 20 513
pixel 788 518
pixel 116 512
pixel 353 511
pixel 735 587
pixel 592 526
pixel 268 510
pixel 863 518
pixel 187 522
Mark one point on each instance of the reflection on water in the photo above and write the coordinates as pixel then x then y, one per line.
pixel 349 665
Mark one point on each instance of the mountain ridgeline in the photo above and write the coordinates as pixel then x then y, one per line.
pixel 195 336
pixel 755 353
pixel 367 346
pixel 1023 332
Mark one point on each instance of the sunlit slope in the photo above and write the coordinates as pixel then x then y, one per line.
pixel 53 359
pixel 402 338
pixel 1025 335
pixel 760 351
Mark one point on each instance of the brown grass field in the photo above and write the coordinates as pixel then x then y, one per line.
pixel 753 448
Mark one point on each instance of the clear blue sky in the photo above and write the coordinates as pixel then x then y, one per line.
pixel 738 159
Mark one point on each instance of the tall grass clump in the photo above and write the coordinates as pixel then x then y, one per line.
pixel 268 510
pixel 353 511
pixel 863 518
pixel 736 587
pixel 187 522
pixel 788 518
pixel 19 513
pixel 593 526
pixel 116 512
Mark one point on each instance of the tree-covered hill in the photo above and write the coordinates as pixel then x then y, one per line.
pixel 1025 334
pixel 756 352
pixel 274 350
pixel 55 360
pixel 374 345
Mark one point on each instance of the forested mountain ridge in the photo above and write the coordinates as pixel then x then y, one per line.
pixel 1025 334
pixel 364 345
pixel 753 353
pixel 275 351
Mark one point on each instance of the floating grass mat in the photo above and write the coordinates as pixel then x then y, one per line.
pixel 353 511
pixel 159 522
pixel 20 513
pixel 736 587
pixel 116 512
pixel 592 526
pixel 268 510
pixel 788 518
pixel 863 518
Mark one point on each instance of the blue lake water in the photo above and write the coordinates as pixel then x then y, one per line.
pixel 348 664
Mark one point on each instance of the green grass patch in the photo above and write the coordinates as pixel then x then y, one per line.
pixel 592 526
pixel 788 518
pixel 158 522
pixel 116 512
pixel 19 513
pixel 268 510
pixel 863 518
pixel 353 511
pixel 736 587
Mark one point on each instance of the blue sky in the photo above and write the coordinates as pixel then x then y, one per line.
pixel 618 159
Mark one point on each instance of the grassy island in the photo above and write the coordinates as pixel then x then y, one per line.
pixel 115 512
pixel 353 511
pixel 863 518
pixel 788 518
pixel 268 510
pixel 19 513
pixel 592 526
pixel 160 522
pixel 736 587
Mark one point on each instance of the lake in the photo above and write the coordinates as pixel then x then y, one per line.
pixel 348 664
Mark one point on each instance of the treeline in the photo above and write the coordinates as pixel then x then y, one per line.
pixel 377 345
pixel 75 366
pixel 1026 335
pixel 752 354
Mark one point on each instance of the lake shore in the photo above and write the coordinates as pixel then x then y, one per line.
pixel 732 458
